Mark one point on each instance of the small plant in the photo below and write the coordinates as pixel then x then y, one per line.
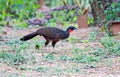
pixel 78 58
pixel 112 12
pixel 20 24
pixel 64 57
pixel 72 39
pixel 17 9
pixel 72 70
pixel 11 59
pixel 93 36
pixel 16 45
pixel 16 75
pixel 40 69
pixel 98 52
pixel 90 20
pixel 111 46
pixel 76 50
pixel 84 58
pixel 50 56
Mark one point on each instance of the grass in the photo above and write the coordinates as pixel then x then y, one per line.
pixel 12 59
pixel 110 46
pixel 31 56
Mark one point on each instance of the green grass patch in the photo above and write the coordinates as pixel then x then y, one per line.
pixel 11 59
pixel 111 46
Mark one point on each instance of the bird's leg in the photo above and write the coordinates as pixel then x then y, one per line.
pixel 53 43
pixel 47 42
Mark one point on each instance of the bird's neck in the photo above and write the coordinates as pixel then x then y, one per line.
pixel 65 35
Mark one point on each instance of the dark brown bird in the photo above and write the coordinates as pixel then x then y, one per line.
pixel 50 34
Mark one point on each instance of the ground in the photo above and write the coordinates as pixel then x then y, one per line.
pixel 56 62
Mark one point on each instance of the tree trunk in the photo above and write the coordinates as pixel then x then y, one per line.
pixel 41 2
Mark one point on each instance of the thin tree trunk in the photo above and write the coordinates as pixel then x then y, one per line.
pixel 41 2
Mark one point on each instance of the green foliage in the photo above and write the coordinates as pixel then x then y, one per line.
pixel 98 52
pixel 112 12
pixel 40 69
pixel 93 36
pixel 17 45
pixel 76 50
pixel 15 75
pixel 55 3
pixel 82 58
pixel 20 10
pixel 72 39
pixel 13 56
pixel 2 23
pixel 72 70
pixel 62 17
pixel 90 20
pixel 64 57
pixel 11 59
pixel 17 9
pixel 103 14
pixel 50 56
pixel 20 24
pixel 111 46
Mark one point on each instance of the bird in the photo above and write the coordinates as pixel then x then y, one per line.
pixel 50 34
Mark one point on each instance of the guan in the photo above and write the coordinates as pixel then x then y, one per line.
pixel 50 34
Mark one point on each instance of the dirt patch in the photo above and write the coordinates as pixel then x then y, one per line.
pixel 42 67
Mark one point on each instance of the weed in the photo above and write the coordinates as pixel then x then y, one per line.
pixel 11 59
pixel 78 58
pixel 13 75
pixel 83 58
pixel 91 58
pixel 38 43
pixel 108 62
pixel 93 36
pixel 118 59
pixel 87 66
pixel 18 24
pixel 16 45
pixel 76 50
pixel 30 59
pixel 111 46
pixel 72 39
pixel 16 75
pixel 58 70
pixel 98 52
pixel 40 69
pixel 22 68
pixel 72 70
pixel 50 56
pixel 64 57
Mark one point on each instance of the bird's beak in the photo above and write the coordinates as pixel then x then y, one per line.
pixel 75 28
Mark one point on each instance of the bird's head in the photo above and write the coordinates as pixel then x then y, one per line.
pixel 70 29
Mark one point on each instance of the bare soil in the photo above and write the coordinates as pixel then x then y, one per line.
pixel 57 68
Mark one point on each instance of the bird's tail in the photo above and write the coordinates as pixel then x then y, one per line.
pixel 29 36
